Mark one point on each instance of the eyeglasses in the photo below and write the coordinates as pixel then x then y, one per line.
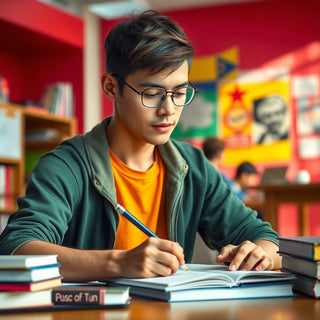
pixel 154 97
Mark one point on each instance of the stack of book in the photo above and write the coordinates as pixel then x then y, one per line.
pixel 58 99
pixel 27 281
pixel 301 256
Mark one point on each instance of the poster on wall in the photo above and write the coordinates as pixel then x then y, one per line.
pixel 200 118
pixel 305 91
pixel 255 116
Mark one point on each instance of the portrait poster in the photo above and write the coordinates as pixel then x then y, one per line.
pixel 255 119
pixel 200 118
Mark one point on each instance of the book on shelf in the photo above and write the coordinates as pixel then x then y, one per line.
pixel 12 300
pixel 210 282
pixel 58 99
pixel 26 261
pixel 31 286
pixel 90 295
pixel 296 265
pixel 305 247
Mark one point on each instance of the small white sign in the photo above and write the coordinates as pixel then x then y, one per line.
pixel 305 86
pixel 10 134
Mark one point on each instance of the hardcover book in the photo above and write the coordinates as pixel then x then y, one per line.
pixel 305 247
pixel 16 300
pixel 26 261
pixel 90 295
pixel 308 286
pixel 30 275
pixel 30 286
pixel 211 282
pixel 305 267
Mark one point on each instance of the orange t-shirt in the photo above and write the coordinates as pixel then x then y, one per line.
pixel 142 193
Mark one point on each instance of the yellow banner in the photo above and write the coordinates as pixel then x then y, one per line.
pixel 223 65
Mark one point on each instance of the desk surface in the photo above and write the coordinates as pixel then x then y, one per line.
pixel 299 307
pixel 298 194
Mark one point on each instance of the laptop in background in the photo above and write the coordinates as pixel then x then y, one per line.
pixel 274 175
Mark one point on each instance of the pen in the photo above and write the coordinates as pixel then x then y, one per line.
pixel 125 213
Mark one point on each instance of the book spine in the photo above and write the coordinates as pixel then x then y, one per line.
pixel 78 297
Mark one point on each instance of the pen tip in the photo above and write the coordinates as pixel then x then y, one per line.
pixel 185 268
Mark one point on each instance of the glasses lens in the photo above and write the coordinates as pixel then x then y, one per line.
pixel 153 97
pixel 183 96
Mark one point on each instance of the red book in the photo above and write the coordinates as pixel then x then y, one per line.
pixel 30 286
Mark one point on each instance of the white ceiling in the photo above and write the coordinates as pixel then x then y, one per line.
pixel 116 8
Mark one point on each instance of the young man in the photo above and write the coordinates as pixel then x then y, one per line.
pixel 69 207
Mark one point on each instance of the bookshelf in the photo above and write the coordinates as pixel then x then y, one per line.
pixel 39 45
pixel 29 121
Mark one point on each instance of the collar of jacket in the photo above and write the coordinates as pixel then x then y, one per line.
pixel 97 149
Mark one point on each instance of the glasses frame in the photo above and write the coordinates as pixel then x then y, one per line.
pixel 165 90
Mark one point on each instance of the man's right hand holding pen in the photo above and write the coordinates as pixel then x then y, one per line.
pixel 154 257
pixel 158 257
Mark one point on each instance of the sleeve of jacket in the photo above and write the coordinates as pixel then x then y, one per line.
pixel 224 217
pixel 51 194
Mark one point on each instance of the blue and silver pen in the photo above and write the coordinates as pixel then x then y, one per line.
pixel 139 225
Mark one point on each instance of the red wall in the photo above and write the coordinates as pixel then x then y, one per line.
pixel 40 44
pixel 263 32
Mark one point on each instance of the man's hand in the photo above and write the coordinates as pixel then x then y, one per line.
pixel 258 256
pixel 154 257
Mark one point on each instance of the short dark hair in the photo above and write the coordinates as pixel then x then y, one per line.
pixel 245 167
pixel 212 146
pixel 146 41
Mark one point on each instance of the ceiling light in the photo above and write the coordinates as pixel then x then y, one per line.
pixel 117 9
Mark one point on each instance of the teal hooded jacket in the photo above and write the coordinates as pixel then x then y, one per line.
pixel 70 200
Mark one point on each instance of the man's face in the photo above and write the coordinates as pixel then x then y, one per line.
pixel 149 125
pixel 271 112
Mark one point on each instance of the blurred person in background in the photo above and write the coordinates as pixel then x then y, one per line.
pixel 213 149
pixel 246 177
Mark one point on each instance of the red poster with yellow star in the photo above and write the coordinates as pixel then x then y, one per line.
pixel 254 121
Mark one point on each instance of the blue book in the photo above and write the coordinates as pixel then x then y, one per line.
pixel 26 261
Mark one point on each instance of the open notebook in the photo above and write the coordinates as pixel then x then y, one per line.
pixel 210 282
